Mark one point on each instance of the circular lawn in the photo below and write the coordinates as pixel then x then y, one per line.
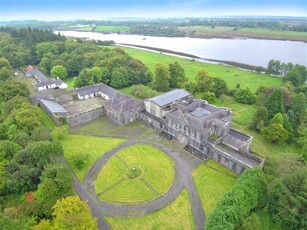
pixel 135 174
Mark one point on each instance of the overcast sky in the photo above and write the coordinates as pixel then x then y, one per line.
pixel 100 9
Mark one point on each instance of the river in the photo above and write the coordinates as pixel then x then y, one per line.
pixel 256 52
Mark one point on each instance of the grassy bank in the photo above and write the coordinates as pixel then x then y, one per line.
pixel 212 181
pixel 231 75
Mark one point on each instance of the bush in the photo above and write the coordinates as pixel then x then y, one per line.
pixel 245 96
pixel 209 96
pixel 143 92
pixel 79 159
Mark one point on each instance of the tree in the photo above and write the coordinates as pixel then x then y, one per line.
pixel 59 71
pixel 119 79
pixel 4 63
pixel 161 78
pixel 56 182
pixel 236 205
pixel 274 67
pixel 177 75
pixel 275 133
pixel 299 107
pixel 5 73
pixel 203 81
pixel 72 213
pixel 251 223
pixel 260 118
pixel 96 73
pixel 209 96
pixel 278 119
pixel 245 96
pixel 287 199
pixel 60 133
pixel 274 103
pixel 297 75
pixel 45 48
pixel 219 86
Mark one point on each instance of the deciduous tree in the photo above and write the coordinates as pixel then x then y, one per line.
pixel 161 78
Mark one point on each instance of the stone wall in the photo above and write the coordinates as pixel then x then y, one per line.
pixel 82 118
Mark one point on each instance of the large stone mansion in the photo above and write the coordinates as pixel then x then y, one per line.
pixel 203 129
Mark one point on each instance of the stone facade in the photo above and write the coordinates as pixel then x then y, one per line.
pixel 123 109
pixel 203 129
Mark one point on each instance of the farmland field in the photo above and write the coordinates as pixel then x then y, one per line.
pixel 212 181
pixel 231 75
pixel 114 185
pixel 220 31
pixel 92 147
pixel 112 29
pixel 177 215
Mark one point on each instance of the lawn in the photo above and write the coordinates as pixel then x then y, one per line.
pixel 93 147
pixel 231 75
pixel 243 113
pixel 47 121
pixel 112 29
pixel 212 181
pixel 177 215
pixel 114 185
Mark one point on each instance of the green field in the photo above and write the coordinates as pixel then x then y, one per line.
pixel 113 184
pixel 220 31
pixel 93 147
pixel 112 29
pixel 177 215
pixel 231 75
pixel 47 121
pixel 212 181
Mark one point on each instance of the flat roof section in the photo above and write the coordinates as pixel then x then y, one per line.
pixel 200 112
pixel 169 97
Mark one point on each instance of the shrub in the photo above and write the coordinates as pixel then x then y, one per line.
pixel 245 96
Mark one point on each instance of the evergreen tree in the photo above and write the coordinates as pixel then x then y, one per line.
pixel 274 103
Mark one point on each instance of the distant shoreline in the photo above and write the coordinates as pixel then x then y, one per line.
pixel 226 36
pixel 180 54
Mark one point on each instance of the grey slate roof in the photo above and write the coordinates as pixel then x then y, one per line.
pixel 49 82
pixel 122 102
pixel 53 106
pixel 38 75
pixel 236 138
pixel 169 97
pixel 107 90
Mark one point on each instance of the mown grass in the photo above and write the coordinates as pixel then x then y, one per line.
pixel 177 215
pixel 114 186
pixel 47 121
pixel 231 75
pixel 212 181
pixel 155 163
pixel 128 191
pixel 93 147
pixel 111 173
pixel 112 28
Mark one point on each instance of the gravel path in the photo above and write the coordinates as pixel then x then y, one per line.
pixel 183 179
